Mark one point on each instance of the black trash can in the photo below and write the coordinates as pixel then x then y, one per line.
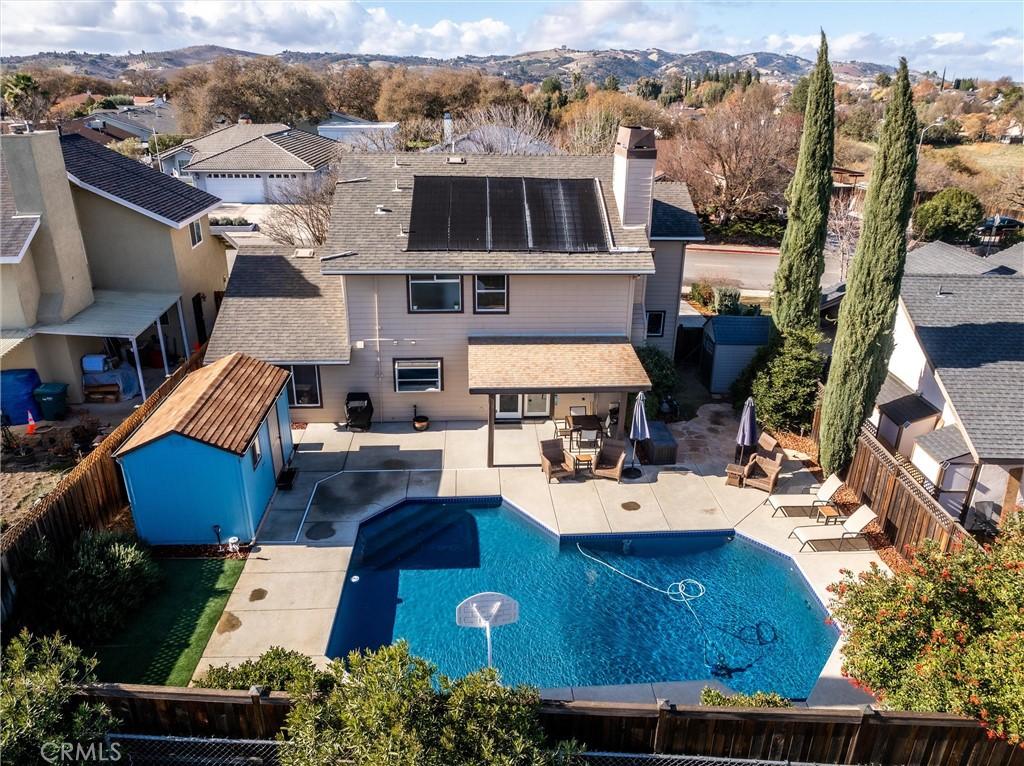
pixel 52 399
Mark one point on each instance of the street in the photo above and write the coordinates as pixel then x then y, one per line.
pixel 750 268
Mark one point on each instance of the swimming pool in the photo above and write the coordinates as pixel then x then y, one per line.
pixel 757 625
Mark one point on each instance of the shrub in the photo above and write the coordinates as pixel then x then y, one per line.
pixel 944 634
pixel 702 293
pixel 714 698
pixel 950 215
pixel 784 380
pixel 37 705
pixel 89 591
pixel 727 300
pixel 660 369
pixel 275 670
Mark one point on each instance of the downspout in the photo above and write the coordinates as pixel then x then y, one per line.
pixel 629 307
pixel 376 335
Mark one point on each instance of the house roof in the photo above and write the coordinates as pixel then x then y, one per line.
pixel 285 150
pixel 340 119
pixel 944 443
pixel 909 408
pixel 12 338
pixel 279 308
pixel 972 330
pixel 132 184
pixel 892 388
pixel 741 330
pixel 17 228
pixel 222 404
pixel 361 240
pixel 673 215
pixel 158 118
pixel 103 135
pixel 225 137
pixel 943 258
pixel 543 364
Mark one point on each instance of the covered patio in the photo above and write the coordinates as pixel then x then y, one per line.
pixel 520 366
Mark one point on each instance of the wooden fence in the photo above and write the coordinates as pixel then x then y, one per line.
pixel 822 735
pixel 90 496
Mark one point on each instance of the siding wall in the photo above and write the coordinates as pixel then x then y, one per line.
pixel 664 291
pixel 257 483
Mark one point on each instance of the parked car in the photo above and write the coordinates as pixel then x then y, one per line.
pixel 999 224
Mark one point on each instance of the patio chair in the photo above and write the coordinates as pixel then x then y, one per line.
pixel 763 472
pixel 851 528
pixel 610 460
pixel 562 430
pixel 767 445
pixel 823 496
pixel 590 440
pixel 555 461
pixel 579 409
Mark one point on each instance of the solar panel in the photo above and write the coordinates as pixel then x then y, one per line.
pixel 584 215
pixel 431 209
pixel 467 228
pixel 508 214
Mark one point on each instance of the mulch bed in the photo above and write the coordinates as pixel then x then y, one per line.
pixel 200 552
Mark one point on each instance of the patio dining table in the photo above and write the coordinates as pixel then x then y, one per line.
pixel 584 422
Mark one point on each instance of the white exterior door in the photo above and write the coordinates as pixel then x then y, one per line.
pixel 514 406
pixel 236 187
pixel 506 406
pixel 536 405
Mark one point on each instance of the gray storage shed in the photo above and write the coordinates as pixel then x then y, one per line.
pixel 730 343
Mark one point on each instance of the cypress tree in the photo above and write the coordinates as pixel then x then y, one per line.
pixel 868 312
pixel 797 289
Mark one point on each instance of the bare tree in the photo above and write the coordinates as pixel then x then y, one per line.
pixel 503 128
pixel 592 133
pixel 843 232
pixel 302 211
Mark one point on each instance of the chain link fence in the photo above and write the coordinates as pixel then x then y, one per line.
pixel 144 750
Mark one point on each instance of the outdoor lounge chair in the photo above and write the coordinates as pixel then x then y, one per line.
pixel 555 461
pixel 823 496
pixel 851 528
pixel 763 472
pixel 610 460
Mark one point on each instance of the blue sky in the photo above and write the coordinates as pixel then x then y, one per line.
pixel 982 38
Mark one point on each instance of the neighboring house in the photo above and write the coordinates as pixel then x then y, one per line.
pixel 95 129
pixel 953 401
pixel 159 117
pixel 498 287
pixel 729 345
pixel 250 163
pixel 97 255
pixel 226 428
pixel 358 133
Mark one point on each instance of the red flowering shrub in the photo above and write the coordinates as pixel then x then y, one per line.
pixel 944 635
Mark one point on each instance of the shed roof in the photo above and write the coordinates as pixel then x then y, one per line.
pixel 129 183
pixel 222 404
pixel 740 330
pixel 946 443
pixel 673 215
pixel 550 364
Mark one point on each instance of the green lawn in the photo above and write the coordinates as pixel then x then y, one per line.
pixel 162 644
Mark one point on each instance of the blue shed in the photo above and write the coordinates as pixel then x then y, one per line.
pixel 210 454
pixel 730 343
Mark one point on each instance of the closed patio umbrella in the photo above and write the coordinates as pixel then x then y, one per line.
pixel 638 431
pixel 746 434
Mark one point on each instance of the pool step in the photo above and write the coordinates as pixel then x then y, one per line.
pixel 400 532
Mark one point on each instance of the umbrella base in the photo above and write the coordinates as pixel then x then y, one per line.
pixel 632 473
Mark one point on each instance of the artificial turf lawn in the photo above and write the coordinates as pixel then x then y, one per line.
pixel 163 642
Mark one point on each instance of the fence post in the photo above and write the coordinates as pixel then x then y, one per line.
pixel 256 698
pixel 661 729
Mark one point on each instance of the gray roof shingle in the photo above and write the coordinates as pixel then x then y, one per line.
pixel 280 309
pixel 972 330
pixel 364 241
pixel 673 215
pixel 944 443
pixel 288 150
pixel 16 227
pixel 165 198
pixel 943 258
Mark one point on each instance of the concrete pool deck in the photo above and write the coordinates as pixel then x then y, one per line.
pixel 290 587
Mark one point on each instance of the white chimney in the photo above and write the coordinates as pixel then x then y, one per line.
pixel 448 132
pixel 633 174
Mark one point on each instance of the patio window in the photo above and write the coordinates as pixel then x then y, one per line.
pixel 304 385
pixel 415 375
pixel 490 294
pixel 256 451
pixel 195 232
pixel 435 293
pixel 655 324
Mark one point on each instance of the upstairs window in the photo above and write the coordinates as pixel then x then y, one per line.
pixel 417 375
pixel 490 294
pixel 655 324
pixel 435 293
pixel 195 232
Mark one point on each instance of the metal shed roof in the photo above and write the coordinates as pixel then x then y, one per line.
pixel 114 314
pixel 740 331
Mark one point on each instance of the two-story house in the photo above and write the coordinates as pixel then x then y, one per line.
pixel 953 400
pixel 100 255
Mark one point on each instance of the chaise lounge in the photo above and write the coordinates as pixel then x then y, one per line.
pixel 555 461
pixel 823 496
pixel 610 460
pixel 851 528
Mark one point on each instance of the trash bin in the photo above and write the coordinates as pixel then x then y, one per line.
pixel 52 399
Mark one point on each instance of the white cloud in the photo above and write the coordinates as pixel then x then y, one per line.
pixel 615 24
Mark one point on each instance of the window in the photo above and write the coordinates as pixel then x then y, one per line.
pixel 304 385
pixel 655 324
pixel 412 375
pixel 256 451
pixel 435 293
pixel 490 294
pixel 195 232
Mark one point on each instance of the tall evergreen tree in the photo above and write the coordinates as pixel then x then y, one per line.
pixel 797 289
pixel 868 312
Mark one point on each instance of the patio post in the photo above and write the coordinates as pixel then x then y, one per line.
pixel 138 367
pixel 490 430
pixel 186 352
pixel 163 348
pixel 620 427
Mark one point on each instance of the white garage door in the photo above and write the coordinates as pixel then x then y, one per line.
pixel 236 187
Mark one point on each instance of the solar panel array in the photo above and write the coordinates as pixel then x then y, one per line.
pixel 562 215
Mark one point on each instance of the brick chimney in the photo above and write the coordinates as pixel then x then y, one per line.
pixel 633 174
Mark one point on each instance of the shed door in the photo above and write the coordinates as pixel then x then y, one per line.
pixel 276 448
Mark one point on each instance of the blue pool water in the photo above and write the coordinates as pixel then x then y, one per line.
pixel 580 623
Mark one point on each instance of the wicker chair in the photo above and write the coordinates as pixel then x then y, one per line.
pixel 610 460
pixel 767 445
pixel 555 461
pixel 762 472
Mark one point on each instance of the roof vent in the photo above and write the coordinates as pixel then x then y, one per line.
pixel 456 160
pixel 332 256
pixel 381 210
pixel 397 187
pixel 304 252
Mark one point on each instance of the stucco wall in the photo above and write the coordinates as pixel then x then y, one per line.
pixel 910 365
pixel 57 359
pixel 19 293
pixel 664 291
pixel 202 269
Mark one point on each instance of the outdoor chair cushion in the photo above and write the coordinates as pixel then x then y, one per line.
pixel 851 527
pixel 808 500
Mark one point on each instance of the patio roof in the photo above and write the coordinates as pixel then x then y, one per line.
pixel 9 339
pixel 554 364
pixel 114 314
